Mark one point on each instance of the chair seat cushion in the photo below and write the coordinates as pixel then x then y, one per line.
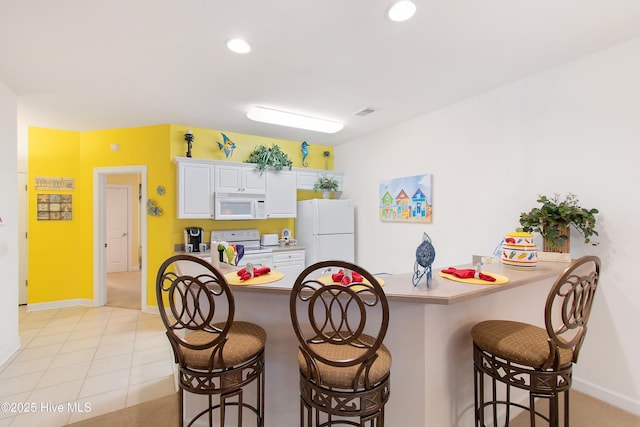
pixel 342 377
pixel 245 341
pixel 516 342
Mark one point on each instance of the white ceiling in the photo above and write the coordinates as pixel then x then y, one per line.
pixel 92 64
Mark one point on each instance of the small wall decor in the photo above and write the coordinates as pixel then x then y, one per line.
pixel 54 183
pixel 425 254
pixel 160 190
pixel 153 209
pixel 326 155
pixel 55 207
pixel 406 199
pixel 188 136
pixel 227 145
pixel 305 153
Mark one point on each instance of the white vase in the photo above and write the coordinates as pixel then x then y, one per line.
pixel 326 194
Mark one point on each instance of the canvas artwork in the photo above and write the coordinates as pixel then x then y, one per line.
pixel 55 207
pixel 407 199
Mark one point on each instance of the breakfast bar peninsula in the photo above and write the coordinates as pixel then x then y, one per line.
pixel 428 337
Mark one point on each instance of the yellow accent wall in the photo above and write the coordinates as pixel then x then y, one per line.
pixel 56 270
pixel 61 252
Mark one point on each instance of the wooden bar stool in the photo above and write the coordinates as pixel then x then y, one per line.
pixel 217 355
pixel 344 366
pixel 538 360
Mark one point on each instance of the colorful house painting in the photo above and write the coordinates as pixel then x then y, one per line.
pixel 418 204
pixel 402 205
pixel 386 206
pixel 397 205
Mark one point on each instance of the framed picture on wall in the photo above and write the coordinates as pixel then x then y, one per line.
pixel 55 207
pixel 407 199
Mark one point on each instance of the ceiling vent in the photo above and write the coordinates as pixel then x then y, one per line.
pixel 365 111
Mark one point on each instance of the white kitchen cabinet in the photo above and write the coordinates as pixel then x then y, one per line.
pixel 290 262
pixel 195 184
pixel 281 194
pixel 306 178
pixel 239 179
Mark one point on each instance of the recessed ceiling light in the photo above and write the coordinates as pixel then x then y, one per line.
pixel 401 11
pixel 238 46
pixel 284 118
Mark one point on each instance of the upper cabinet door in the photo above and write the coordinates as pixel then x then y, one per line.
pixel 239 179
pixel 281 194
pixel 228 179
pixel 307 178
pixel 254 181
pixel 195 183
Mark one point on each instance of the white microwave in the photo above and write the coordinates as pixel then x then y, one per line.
pixel 230 206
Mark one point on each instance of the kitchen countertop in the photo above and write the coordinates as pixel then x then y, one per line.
pixel 275 249
pixel 399 287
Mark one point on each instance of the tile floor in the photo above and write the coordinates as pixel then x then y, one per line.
pixel 77 363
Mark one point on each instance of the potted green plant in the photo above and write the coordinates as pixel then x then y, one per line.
pixel 273 157
pixel 555 217
pixel 326 184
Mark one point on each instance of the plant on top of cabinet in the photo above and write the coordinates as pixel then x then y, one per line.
pixel 326 183
pixel 263 156
pixel 553 219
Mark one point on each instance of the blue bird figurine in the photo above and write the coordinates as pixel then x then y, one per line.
pixel 305 153
pixel 227 145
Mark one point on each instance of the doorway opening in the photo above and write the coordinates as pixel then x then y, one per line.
pixel 120 230
pixel 123 241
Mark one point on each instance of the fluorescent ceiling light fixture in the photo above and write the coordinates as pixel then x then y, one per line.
pixel 401 11
pixel 238 46
pixel 283 118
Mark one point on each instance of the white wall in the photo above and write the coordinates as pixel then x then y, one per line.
pixel 9 339
pixel 574 128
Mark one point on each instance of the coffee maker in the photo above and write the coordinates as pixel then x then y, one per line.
pixel 193 236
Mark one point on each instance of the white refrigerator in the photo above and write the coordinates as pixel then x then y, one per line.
pixel 324 227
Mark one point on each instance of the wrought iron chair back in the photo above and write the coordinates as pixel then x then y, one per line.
pixel 569 304
pixel 194 296
pixel 344 365
pixel 338 314
pixel 217 354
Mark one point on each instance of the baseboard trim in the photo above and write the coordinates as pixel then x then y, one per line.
pixel 153 309
pixel 76 302
pixel 611 397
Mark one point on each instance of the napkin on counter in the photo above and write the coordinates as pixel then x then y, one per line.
pixel 257 271
pixel 343 279
pixel 468 274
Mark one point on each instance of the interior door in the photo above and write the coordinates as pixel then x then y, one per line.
pixel 117 229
